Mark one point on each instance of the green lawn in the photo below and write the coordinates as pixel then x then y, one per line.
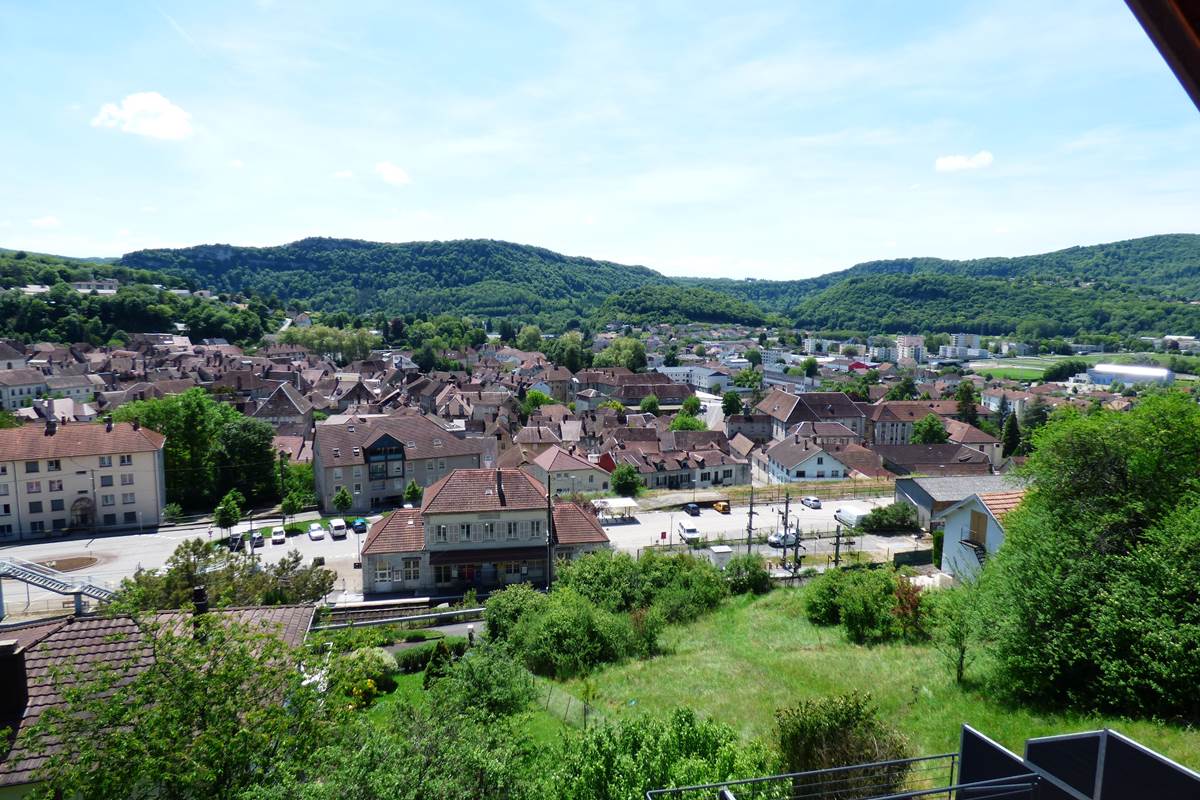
pixel 1014 373
pixel 752 656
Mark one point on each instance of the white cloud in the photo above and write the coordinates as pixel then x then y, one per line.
pixel 393 174
pixel 237 163
pixel 959 163
pixel 149 209
pixel 146 114
pixel 46 222
pixel 342 174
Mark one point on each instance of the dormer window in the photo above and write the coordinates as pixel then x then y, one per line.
pixel 337 452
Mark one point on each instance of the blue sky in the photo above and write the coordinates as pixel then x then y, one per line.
pixel 771 140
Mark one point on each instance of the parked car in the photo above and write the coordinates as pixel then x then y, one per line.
pixel 337 528
pixel 257 539
pixel 689 534
pixel 721 506
pixel 811 502
pixel 359 525
pixel 278 535
pixel 850 516
pixel 781 539
pixel 692 509
pixel 235 543
pixel 316 531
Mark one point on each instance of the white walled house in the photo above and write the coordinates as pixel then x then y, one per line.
pixel 973 530
pixel 564 473
pixel 800 459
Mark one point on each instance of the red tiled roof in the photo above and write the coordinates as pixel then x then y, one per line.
pixel 402 531
pixel 30 442
pixel 1000 503
pixel 472 490
pixel 574 525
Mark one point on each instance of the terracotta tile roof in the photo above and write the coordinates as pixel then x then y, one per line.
pixel 536 434
pixel 30 442
pixel 1000 503
pixel 556 459
pixel 962 433
pixel 23 376
pixel 402 531
pixel 335 445
pixel 92 643
pixel 574 525
pixel 471 490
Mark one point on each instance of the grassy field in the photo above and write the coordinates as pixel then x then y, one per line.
pixel 1015 373
pixel 754 656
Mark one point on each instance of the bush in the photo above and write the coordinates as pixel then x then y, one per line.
pixel 414 659
pixel 681 586
pixel 827 732
pixel 486 678
pixel 440 661
pixel 867 602
pixel 821 598
pixel 894 518
pixel 361 675
pixel 505 609
pixel 610 580
pixel 569 636
pixel 172 512
pixel 747 573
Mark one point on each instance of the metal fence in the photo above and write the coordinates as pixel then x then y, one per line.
pixel 567 707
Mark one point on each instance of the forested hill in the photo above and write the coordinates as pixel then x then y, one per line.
pixel 1131 287
pixel 474 276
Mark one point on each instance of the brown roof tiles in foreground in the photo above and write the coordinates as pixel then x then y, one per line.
pixel 1000 503
pixel 402 531
pixel 472 490
pixel 30 442
pixel 574 525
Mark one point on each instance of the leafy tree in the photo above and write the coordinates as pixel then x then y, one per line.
pixel 671 357
pixel 8 419
pixel 534 400
pixel 891 518
pixel 811 368
pixel 955 625
pixel 967 403
pixel 227 513
pixel 290 506
pixel 529 339
pixel 849 350
pixel 649 405
pixel 211 709
pixel 506 331
pixel 747 573
pixel 624 351
pixel 929 430
pixel 904 389
pixel 1012 436
pixel 731 404
pixel 425 358
pixel 439 664
pixel 342 501
pixel 626 481
pixel 690 405
pixel 413 493
pixel 245 454
pixel 762 339
pixel 754 357
pixel 505 608
pixel 686 422
pixel 748 379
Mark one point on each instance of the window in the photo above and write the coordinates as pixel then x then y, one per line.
pixel 535 529
pixel 441 464
pixel 464 532
pixel 107 500
pixel 441 534
pixel 37 527
pixel 126 460
pixel 337 473
pixel 31 467
pixel 512 568
pixel 110 519
pixel 704 476
pixel 35 507
pixel 512 530
pixel 53 465
pixel 106 480
pixel 358 488
pixel 3 469
pixel 33 487
pixel 127 498
pixel 429 466
pixel 800 473
pixel 6 530
pixel 489 531
pixel 442 573
pixel 3 490
pixel 55 486
pixel 358 472
pixel 820 459
pixel 57 504
pixel 383 572
pixel 820 473
pixel 105 461
pixel 5 509
pixel 58 524
pixel 412 569
pixel 131 518
pixel 127 479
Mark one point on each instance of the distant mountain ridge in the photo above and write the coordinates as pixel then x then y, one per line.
pixel 1126 287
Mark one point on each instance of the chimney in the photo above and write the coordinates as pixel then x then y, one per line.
pixel 499 487
pixel 136 425
pixel 12 674
pixel 108 424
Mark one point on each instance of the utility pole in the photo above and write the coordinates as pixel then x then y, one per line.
pixel 837 546
pixel 787 505
pixel 750 522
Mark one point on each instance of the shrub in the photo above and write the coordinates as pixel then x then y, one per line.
pixel 910 610
pixel 438 665
pixel 897 517
pixel 414 659
pixel 610 580
pixel 867 600
pixel 821 603
pixel 837 731
pixel 747 573
pixel 486 678
pixel 172 512
pixel 569 636
pixel 363 674
pixel 505 609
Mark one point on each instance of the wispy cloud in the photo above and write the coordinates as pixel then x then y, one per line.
pixel 957 163
pixel 146 114
pixel 397 176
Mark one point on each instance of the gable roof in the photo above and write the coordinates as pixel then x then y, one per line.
pixel 335 445
pixel 31 443
pixel 402 531
pixel 555 459
pixel 472 490
pixel 574 525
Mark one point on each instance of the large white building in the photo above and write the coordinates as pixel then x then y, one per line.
pixel 1105 374
pixel 57 478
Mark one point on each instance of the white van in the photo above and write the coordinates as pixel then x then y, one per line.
pixel 689 534
pixel 337 528
pixel 850 516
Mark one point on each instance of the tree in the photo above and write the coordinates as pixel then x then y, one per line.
pixel 9 419
pixel 290 506
pixel 929 430
pixel 342 500
pixel 748 379
pixel 534 400
pixel 731 404
pixel 1011 436
pixel 505 329
pixel 425 358
pixel 1036 414
pixel 904 389
pixel 762 339
pixel 849 350
pixel 624 351
pixel 649 405
pixel 413 493
pixel 955 621
pixel 626 481
pixel 246 461
pixel 967 403
pixel 529 339
pixel 754 357
pixel 811 368
pixel 671 357
pixel 686 422
pixel 227 513
pixel 210 709
pixel 690 405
